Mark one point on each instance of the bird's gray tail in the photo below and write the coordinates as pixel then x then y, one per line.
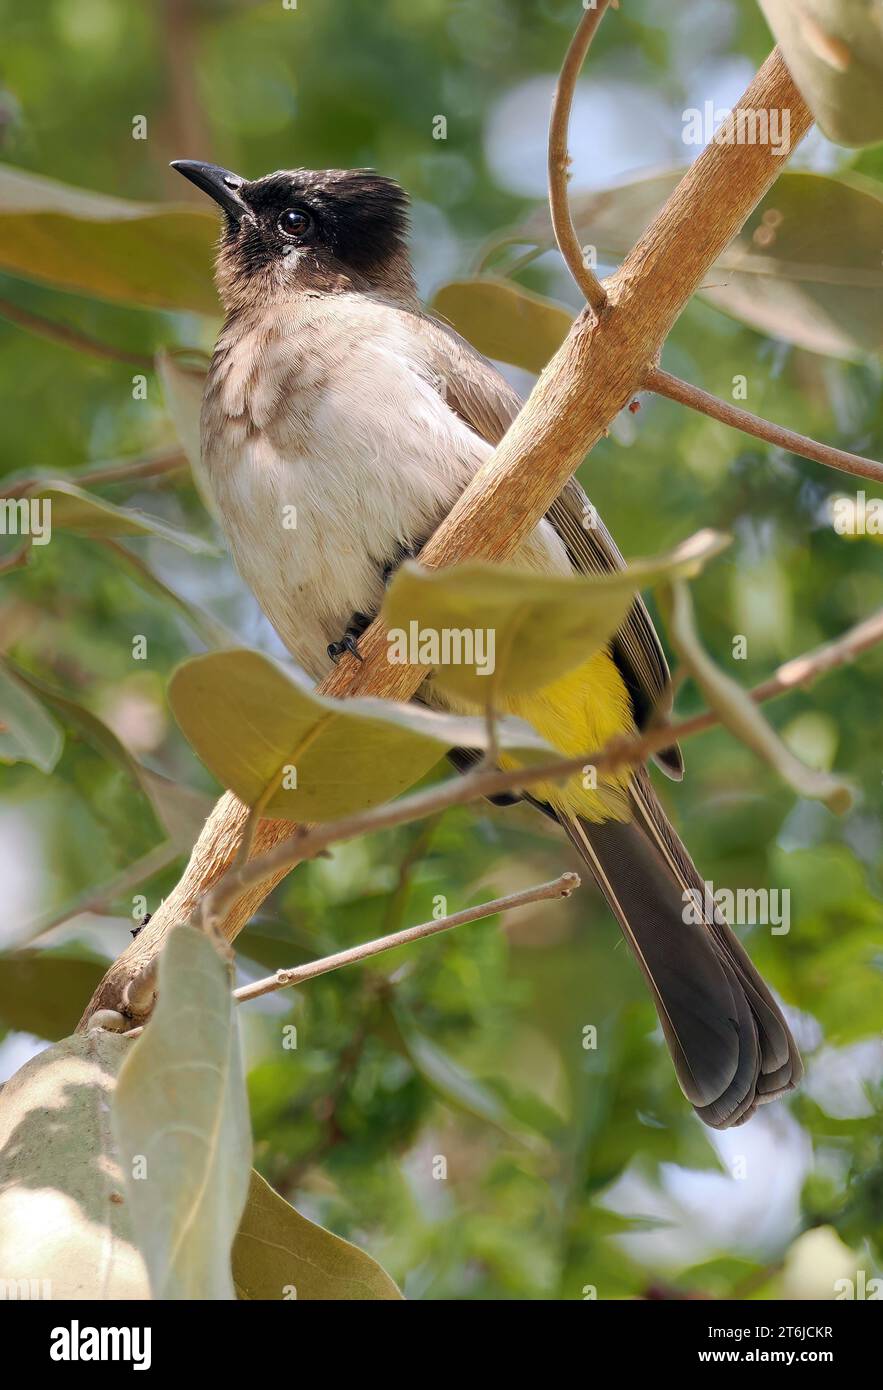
pixel 731 1047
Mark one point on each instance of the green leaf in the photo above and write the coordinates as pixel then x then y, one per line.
pixel 84 514
pixel 207 627
pixel 132 253
pixel 180 811
pixel 64 1218
pixel 251 721
pixel 504 321
pixel 805 268
pixel 27 733
pixel 834 51
pixel 536 627
pixel 279 1254
pixel 456 1085
pixel 43 992
pixel 180 1110
pixel 738 712
pixel 833 963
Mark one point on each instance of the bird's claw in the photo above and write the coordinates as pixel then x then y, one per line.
pixel 348 643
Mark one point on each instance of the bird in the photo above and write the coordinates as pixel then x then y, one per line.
pixel 333 393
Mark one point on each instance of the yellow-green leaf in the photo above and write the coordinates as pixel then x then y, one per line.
pixel 504 321
pixel 490 630
pixel 267 736
pixel 834 51
pixel 181 1124
pixel 132 253
pixel 279 1254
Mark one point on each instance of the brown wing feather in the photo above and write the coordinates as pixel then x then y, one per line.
pixel 476 391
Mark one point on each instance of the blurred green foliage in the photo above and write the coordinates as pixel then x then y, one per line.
pixel 441 1108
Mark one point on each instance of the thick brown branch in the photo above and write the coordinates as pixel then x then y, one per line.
pixel 664 384
pixel 594 374
pixel 559 160
pixel 283 979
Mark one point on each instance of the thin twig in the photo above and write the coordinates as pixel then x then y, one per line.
pixel 308 841
pixel 559 160
pixel 559 888
pixel 153 466
pixel 664 384
pixel 71 337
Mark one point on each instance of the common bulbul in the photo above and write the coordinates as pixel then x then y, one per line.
pixel 331 391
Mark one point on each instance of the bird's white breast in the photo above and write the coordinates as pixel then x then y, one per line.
pixel 330 449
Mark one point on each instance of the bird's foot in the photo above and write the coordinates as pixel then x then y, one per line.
pixel 349 642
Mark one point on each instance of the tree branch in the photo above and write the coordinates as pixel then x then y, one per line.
pixel 307 843
pixel 559 160
pixel 153 466
pixel 559 888
pixel 664 384
pixel 594 374
pixel 71 337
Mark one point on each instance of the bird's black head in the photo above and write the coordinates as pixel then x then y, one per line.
pixel 330 230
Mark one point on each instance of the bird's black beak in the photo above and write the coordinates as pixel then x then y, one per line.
pixel 220 184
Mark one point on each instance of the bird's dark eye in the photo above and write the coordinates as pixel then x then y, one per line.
pixel 294 222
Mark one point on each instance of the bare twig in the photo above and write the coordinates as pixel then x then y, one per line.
pixel 664 384
pixel 70 337
pixel 559 160
pixel 133 470
pixel 139 992
pixel 559 888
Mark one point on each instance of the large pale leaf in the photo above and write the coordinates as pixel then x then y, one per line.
pixel 64 1217
pixel 134 253
pixel 180 1120
pixel 85 514
pixel 834 50
pixel 805 267
pixel 42 992
pixel 535 627
pixel 279 1254
pixel 252 721
pixel 27 733
pixel 738 712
